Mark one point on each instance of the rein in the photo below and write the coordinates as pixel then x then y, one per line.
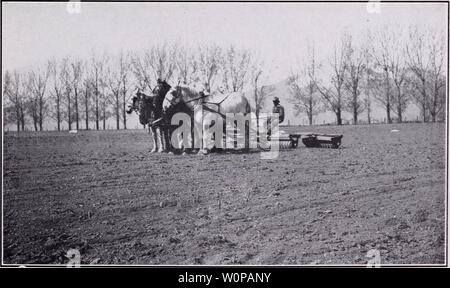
pixel 213 103
pixel 198 98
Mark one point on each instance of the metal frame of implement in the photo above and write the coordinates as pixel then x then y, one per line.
pixel 312 140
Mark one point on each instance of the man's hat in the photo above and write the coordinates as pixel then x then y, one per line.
pixel 276 100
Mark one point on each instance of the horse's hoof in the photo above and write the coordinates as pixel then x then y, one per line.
pixel 184 153
pixel 202 152
pixel 153 151
pixel 170 153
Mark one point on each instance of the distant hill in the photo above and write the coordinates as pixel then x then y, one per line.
pixel 282 91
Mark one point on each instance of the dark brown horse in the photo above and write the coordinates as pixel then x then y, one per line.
pixel 149 109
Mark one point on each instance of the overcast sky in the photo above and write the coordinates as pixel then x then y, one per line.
pixel 35 32
pixel 32 33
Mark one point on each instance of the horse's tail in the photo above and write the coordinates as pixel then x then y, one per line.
pixel 248 108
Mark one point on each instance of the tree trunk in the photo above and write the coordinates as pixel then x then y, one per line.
pixel 399 112
pixel 424 112
pixel 399 105
pixel 69 112
pixel 117 111
pixel 18 120
pixel 388 98
pixel 310 113
pixel 124 114
pixel 58 113
pixel 96 112
pixel 339 110
pixel 388 113
pixel 76 110
pixel 86 109
pixel 41 114
pixel 22 119
pixel 433 114
pixel 338 116
pixel 104 115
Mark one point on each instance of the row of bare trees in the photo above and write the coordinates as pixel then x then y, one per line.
pixel 391 67
pixel 85 93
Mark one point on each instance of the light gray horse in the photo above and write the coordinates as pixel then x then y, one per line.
pixel 215 107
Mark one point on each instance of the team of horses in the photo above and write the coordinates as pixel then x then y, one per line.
pixel 156 110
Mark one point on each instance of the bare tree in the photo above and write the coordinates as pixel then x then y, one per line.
pixel 356 57
pixel 124 69
pixel 260 92
pixel 207 65
pixel 141 71
pixel 96 79
pixel 235 67
pixel 161 58
pixel 368 87
pixel 67 82
pixel 114 83
pixel 14 99
pixel 398 70
pixel 87 98
pixel 417 63
pixel 76 80
pixel 31 101
pixel 303 88
pixel 381 55
pixel 437 81
pixel 38 86
pixel 105 103
pixel 425 52
pixel 57 93
pixel 333 96
pixel 368 75
pixel 10 114
pixel 186 66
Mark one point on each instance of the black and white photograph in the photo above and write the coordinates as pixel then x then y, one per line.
pixel 224 134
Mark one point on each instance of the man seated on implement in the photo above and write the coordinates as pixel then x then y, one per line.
pixel 277 108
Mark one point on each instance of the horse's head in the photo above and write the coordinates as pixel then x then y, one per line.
pixel 143 105
pixel 134 106
pixel 173 98
pixel 161 88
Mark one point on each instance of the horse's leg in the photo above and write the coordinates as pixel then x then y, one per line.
pixel 187 149
pixel 204 141
pixel 180 142
pixel 159 140
pixel 152 131
pixel 208 141
pixel 247 136
pixel 168 142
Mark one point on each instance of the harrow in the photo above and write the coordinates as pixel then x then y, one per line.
pixel 310 140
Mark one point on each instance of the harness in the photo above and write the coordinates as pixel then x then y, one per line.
pixel 217 104
pixel 204 104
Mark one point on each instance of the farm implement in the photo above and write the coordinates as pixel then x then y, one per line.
pixel 309 139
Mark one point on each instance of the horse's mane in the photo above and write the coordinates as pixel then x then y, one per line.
pixel 189 91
